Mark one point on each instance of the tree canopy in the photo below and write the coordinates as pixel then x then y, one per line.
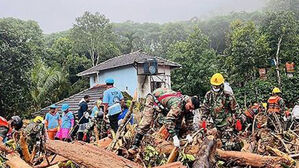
pixel 38 69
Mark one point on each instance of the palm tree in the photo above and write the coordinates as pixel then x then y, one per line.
pixel 48 83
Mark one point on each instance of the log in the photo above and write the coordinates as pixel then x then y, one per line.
pixel 105 142
pixel 14 161
pixel 56 160
pixel 205 155
pixel 88 156
pixel 24 147
pixel 123 123
pixel 173 155
pixel 250 159
pixel 172 165
pixel 96 134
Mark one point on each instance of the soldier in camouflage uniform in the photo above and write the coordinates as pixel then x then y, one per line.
pixel 221 109
pixel 172 104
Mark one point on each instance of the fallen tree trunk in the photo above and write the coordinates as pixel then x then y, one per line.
pixel 24 147
pixel 92 157
pixel 250 159
pixel 205 155
pixel 55 161
pixel 14 161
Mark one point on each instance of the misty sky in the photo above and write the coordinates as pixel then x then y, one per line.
pixel 59 15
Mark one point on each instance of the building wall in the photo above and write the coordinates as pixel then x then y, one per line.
pixel 125 78
pixel 92 80
pixel 144 81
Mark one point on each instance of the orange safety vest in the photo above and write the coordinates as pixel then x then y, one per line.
pixel 273 104
pixel 3 122
pixel 290 67
pixel 250 112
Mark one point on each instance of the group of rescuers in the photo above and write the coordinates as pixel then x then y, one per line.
pixel 219 112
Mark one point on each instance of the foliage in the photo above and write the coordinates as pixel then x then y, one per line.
pixel 253 91
pixel 283 5
pixel 153 158
pixel 61 54
pixel 48 84
pixel 198 64
pixel 186 159
pixel 92 34
pixel 246 52
pixel 20 44
pixel 283 25
pixel 289 88
pixel 243 41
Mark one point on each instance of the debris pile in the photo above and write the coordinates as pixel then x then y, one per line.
pixel 261 147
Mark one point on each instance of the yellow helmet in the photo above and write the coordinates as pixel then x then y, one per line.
pixel 265 105
pixel 276 90
pixel 217 79
pixel 38 119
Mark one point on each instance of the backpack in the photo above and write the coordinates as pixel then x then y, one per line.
pixel 295 112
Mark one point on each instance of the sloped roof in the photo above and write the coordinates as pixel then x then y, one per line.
pixel 127 59
pixel 95 94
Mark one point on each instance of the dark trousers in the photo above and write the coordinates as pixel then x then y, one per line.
pixel 114 122
pixel 81 137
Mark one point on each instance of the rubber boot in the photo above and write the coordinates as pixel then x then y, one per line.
pixel 136 144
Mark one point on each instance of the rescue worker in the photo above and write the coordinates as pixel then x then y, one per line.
pixel 295 111
pixel 172 104
pixel 113 100
pixel 276 107
pixel 6 128
pixel 97 110
pixel 83 116
pixel 52 122
pixel 251 112
pixel 221 109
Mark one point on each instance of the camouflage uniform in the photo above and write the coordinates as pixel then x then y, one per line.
pixel 221 108
pixel 174 115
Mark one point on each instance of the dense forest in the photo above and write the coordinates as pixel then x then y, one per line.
pixel 38 69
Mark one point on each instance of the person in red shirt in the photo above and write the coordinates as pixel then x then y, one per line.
pixel 6 127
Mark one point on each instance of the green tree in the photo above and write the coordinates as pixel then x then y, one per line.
pixel 92 34
pixel 170 34
pixel 247 51
pixel 48 85
pixel 20 44
pixel 61 54
pixel 198 62
pixel 283 5
pixel 281 29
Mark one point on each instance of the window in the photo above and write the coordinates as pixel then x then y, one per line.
pixel 155 85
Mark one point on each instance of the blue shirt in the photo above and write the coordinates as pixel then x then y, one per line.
pixel 52 120
pixel 94 110
pixel 66 120
pixel 113 96
pixel 123 114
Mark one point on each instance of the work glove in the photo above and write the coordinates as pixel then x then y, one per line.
pixel 86 115
pixel 189 138
pixel 176 141
pixel 204 125
pixel 106 119
pixel 119 122
pixel 238 125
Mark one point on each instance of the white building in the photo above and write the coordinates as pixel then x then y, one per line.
pixel 135 71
